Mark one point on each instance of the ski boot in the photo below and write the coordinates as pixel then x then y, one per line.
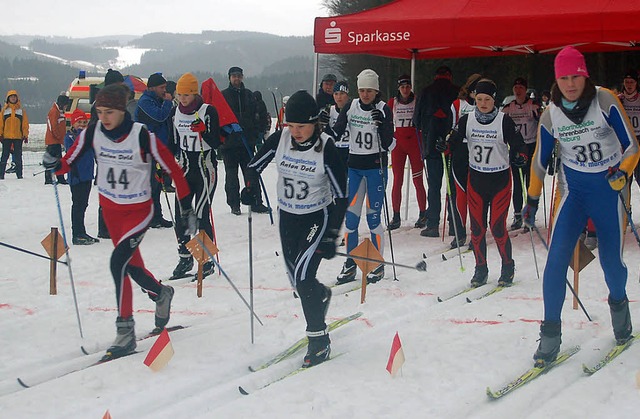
pixel 375 275
pixel 422 220
pixel 591 241
pixel 125 342
pixel 348 273
pixel 549 346
pixel 163 307
pixel 517 221
pixel 506 275
pixel 480 276
pixel 621 320
pixel 207 269
pixel 395 222
pixel 81 241
pixel 318 350
pixel 458 243
pixel 184 265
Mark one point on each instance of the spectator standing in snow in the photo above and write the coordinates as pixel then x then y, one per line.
pixel 194 137
pixel 598 152
pixel 123 150
pixel 403 106
pixel 238 148
pixel 14 130
pixel 153 110
pixel 55 133
pixel 80 179
pixel 311 206
pixel 432 118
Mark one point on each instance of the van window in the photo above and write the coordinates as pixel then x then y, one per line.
pixel 84 105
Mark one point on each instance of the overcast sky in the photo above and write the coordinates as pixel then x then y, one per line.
pixel 79 19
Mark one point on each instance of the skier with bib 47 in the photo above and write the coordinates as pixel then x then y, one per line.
pixel 124 151
pixel 598 152
pixel 311 206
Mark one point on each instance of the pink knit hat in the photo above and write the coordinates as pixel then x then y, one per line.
pixel 570 62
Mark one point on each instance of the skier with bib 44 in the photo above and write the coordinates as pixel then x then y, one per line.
pixel 124 151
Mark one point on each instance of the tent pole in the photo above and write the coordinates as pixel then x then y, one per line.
pixel 413 67
pixel 315 73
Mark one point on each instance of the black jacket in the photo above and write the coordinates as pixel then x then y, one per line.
pixel 433 113
pixel 324 99
pixel 243 105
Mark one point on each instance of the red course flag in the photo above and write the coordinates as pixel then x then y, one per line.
pixel 160 353
pixel 396 357
pixel 107 415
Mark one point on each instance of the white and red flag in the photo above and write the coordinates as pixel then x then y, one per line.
pixel 160 353
pixel 396 357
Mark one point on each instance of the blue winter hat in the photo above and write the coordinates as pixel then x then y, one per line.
pixel 341 86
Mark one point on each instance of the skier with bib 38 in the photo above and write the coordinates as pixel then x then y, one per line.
pixel 311 206
pixel 123 151
pixel 598 152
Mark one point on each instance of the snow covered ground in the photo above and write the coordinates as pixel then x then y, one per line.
pixel 453 349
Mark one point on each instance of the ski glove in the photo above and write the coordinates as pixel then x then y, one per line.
pixel 442 145
pixel 323 117
pixel 188 221
pixel 520 160
pixel 617 178
pixel 51 162
pixel 198 126
pixel 327 246
pixel 377 117
pixel 529 212
pixel 248 197
pixel 25 140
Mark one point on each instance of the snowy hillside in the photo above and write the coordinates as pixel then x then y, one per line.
pixel 453 349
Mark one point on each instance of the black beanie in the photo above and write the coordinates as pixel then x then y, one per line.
pixel 486 87
pixel 301 108
pixel 404 79
pixel 156 79
pixel 171 87
pixel 62 101
pixel 113 76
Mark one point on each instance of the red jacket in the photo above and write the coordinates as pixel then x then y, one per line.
pixel 56 126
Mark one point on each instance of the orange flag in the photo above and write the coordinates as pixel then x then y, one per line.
pixel 160 353
pixel 396 357
pixel 107 415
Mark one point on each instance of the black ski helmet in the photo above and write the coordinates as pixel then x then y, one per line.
pixel 301 108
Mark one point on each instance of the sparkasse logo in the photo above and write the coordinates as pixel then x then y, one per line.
pixel 332 35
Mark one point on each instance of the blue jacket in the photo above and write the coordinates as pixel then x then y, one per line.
pixel 83 170
pixel 154 113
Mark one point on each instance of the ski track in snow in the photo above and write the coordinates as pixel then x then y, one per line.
pixel 453 349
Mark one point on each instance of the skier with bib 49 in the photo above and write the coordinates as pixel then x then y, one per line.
pixel 311 206
pixel 598 152
pixel 124 151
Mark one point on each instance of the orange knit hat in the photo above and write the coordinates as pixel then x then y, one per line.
pixel 187 85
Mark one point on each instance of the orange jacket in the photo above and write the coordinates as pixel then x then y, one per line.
pixel 56 126
pixel 14 124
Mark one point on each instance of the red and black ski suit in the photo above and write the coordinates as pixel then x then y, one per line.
pixel 489 180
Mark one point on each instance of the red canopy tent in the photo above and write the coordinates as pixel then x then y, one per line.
pixel 467 28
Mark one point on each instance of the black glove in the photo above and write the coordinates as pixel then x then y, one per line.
pixel 520 160
pixel 248 197
pixel 188 221
pixel 327 246
pixel 51 162
pixel 442 146
pixel 324 117
pixel 377 116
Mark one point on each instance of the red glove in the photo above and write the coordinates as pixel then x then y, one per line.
pixel 198 126
pixel 25 140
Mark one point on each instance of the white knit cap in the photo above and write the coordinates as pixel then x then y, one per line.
pixel 368 79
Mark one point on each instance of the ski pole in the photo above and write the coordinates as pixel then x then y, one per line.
pixel 386 206
pixel 420 266
pixel 524 199
pixel 206 249
pixel 30 253
pixel 629 220
pixel 546 246
pixel 250 225
pixel 66 252
pixel 455 224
